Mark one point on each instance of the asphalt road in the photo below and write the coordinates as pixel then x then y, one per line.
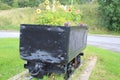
pixel 104 41
pixel 9 34
pixel 107 42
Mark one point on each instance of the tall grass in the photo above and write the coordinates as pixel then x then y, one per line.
pixel 90 16
pixel 11 19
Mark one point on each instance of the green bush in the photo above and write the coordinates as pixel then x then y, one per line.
pixel 110 14
pixel 58 17
pixel 4 6
pixel 82 1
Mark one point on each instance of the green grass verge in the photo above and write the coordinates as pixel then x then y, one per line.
pixel 107 67
pixel 108 64
pixel 10 62
pixel 10 27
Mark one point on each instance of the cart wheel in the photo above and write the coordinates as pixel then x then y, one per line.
pixel 78 60
pixel 36 71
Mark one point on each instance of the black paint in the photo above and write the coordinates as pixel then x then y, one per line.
pixel 50 48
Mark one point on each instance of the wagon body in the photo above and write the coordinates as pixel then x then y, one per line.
pixel 47 44
pixel 54 44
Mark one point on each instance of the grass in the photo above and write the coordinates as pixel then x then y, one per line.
pixel 108 64
pixel 11 19
pixel 10 62
pixel 52 77
pixel 107 67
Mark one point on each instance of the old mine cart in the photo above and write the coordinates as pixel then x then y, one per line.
pixel 52 49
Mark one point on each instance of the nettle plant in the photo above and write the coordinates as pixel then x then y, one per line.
pixel 110 10
pixel 58 15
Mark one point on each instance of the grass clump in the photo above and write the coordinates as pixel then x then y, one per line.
pixel 52 77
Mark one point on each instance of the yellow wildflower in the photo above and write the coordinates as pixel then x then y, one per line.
pixel 38 11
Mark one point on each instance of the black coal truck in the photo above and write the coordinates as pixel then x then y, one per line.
pixel 52 49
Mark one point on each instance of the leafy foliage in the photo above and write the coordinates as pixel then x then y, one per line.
pixel 58 17
pixel 82 1
pixel 34 3
pixel 64 2
pixel 4 6
pixel 15 3
pixel 21 3
pixel 8 2
pixel 110 14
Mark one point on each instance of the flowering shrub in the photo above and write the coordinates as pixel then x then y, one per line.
pixel 58 17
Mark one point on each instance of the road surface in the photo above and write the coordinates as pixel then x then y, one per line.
pixel 107 42
pixel 9 34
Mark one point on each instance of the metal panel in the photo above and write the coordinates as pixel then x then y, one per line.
pixel 44 43
pixel 52 44
pixel 77 41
